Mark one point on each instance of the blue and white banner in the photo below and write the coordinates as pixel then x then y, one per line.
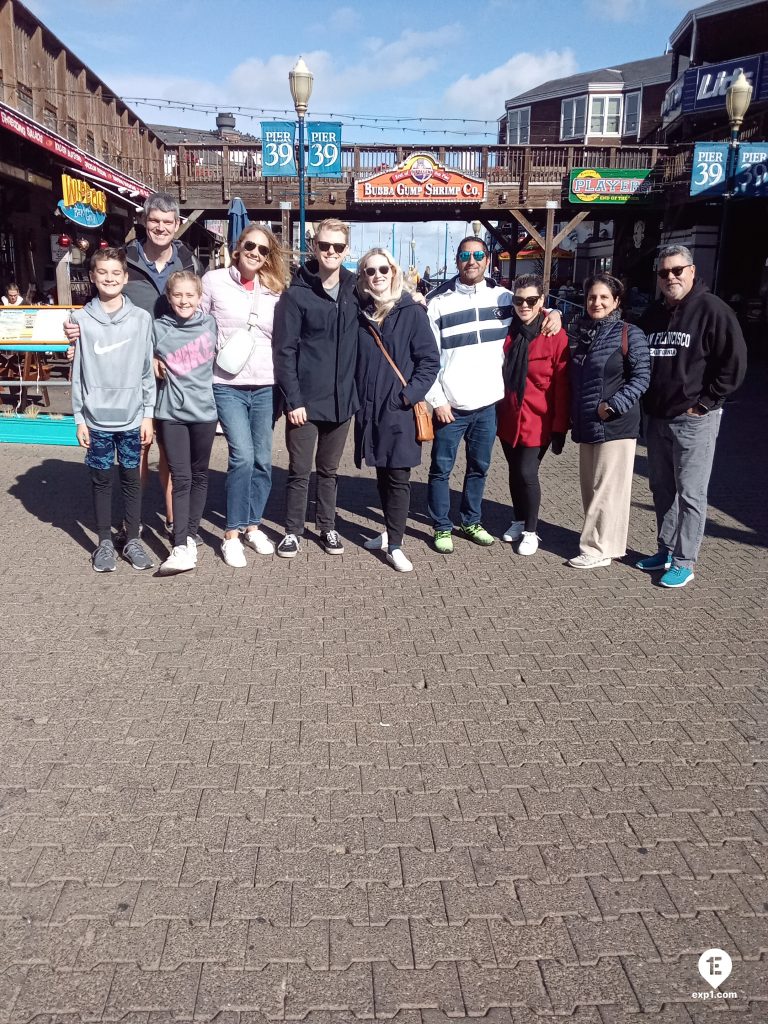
pixel 278 149
pixel 710 168
pixel 752 169
pixel 324 149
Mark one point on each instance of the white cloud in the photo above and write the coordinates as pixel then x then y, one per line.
pixel 616 10
pixel 484 96
pixel 344 19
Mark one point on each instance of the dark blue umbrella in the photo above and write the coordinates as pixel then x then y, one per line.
pixel 238 218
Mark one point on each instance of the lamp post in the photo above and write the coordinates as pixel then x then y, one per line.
pixel 300 79
pixel 477 227
pixel 737 99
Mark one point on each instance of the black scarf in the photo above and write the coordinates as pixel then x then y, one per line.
pixel 584 329
pixel 515 370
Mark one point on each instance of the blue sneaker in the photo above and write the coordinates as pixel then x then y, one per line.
pixel 677 576
pixel 662 560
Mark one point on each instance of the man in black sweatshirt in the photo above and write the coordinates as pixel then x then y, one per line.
pixel 698 359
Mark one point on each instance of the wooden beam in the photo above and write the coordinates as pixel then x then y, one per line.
pixel 522 219
pixel 572 223
pixel 548 247
pixel 188 222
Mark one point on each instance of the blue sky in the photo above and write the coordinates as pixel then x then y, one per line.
pixel 450 59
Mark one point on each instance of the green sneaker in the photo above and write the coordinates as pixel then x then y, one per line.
pixel 477 534
pixel 444 542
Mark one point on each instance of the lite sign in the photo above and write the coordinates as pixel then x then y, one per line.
pixel 419 179
pixel 608 185
pixel 81 203
pixel 704 88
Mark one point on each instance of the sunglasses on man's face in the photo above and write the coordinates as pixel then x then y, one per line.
pixel 338 247
pixel 371 271
pixel 677 271
pixel 526 300
pixel 478 255
pixel 250 246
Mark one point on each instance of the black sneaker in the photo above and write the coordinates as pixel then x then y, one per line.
pixel 289 546
pixel 332 543
pixel 134 553
pixel 104 558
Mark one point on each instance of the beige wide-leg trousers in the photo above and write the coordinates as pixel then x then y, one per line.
pixel 605 471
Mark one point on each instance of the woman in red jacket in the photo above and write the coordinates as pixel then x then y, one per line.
pixel 534 412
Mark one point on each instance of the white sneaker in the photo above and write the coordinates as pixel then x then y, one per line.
pixel 398 561
pixel 179 560
pixel 233 553
pixel 529 545
pixel 588 562
pixel 514 531
pixel 260 542
pixel 192 549
pixel 377 543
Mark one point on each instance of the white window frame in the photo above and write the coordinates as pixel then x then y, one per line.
pixel 570 117
pixel 604 98
pixel 514 135
pixel 627 130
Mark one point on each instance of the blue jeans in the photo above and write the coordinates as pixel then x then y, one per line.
pixel 680 455
pixel 478 428
pixel 245 414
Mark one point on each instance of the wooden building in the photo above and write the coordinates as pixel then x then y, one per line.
pixel 57 117
pixel 609 106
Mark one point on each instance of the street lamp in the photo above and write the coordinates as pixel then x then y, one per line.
pixel 737 99
pixel 300 79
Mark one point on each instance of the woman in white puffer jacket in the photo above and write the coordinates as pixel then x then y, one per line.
pixel 246 293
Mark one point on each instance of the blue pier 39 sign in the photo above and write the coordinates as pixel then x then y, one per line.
pixel 278 142
pixel 324 156
pixel 752 169
pixel 710 168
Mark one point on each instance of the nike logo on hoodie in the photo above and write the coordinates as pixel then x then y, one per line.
pixel 100 349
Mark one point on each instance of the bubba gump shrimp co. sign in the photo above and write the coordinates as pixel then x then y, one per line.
pixel 419 179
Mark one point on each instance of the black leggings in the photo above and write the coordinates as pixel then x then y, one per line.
pixel 524 486
pixel 188 450
pixel 130 485
pixel 395 493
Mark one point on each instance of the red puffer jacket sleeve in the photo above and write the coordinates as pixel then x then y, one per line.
pixel 561 419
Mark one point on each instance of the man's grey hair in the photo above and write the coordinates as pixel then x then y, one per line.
pixel 163 202
pixel 668 251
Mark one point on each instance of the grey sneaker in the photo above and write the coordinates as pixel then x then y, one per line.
pixel 104 558
pixel 134 553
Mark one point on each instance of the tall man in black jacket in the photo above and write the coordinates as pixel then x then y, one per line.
pixel 698 359
pixel 314 347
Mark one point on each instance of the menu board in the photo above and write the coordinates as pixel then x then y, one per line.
pixel 33 325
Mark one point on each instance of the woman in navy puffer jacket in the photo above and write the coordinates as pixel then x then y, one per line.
pixel 610 368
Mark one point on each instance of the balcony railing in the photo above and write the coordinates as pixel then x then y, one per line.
pixel 523 172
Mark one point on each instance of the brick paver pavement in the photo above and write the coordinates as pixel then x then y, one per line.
pixel 319 790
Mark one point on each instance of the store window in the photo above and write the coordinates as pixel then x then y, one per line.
pixel 24 99
pixel 573 118
pixel 72 131
pixel 631 114
pixel 50 118
pixel 604 115
pixel 90 143
pixel 519 126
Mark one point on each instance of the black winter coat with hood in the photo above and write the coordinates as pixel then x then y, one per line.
pixel 314 346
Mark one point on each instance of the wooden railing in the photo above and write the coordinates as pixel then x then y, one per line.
pixel 213 173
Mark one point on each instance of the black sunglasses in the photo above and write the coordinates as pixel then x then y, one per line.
pixel 526 300
pixel 479 255
pixel 370 271
pixel 250 246
pixel 337 247
pixel 677 271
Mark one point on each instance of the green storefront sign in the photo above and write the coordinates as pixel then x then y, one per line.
pixel 608 185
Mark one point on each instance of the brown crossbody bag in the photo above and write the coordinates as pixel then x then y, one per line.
pixel 422 414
